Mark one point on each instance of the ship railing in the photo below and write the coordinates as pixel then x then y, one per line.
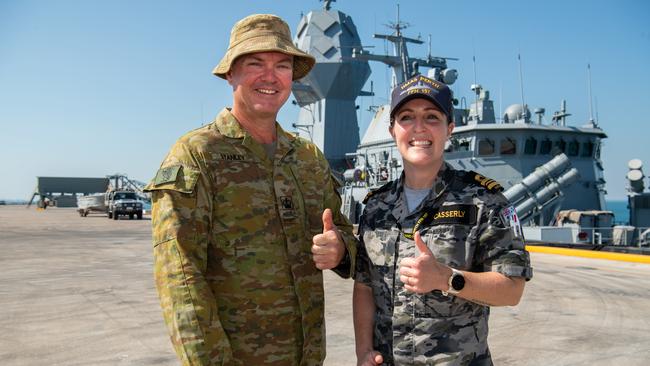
pixel 617 235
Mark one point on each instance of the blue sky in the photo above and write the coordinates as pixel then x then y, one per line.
pixel 91 88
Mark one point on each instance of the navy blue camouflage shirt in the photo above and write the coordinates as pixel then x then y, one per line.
pixel 468 225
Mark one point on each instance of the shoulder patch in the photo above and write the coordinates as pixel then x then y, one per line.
pixel 178 178
pixel 490 184
pixel 510 220
pixel 166 175
pixel 383 188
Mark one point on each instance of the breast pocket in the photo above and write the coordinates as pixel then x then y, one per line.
pixel 451 245
pixel 310 192
pixel 380 246
pixel 243 204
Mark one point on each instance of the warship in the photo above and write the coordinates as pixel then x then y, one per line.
pixel 548 170
pixel 506 152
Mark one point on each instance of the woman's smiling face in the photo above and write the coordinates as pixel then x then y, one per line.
pixel 420 131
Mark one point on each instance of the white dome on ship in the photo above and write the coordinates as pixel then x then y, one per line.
pixel 635 164
pixel 515 112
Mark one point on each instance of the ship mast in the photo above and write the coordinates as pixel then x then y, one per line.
pixel 521 87
pixel 476 88
pixel 327 4
pixel 403 66
pixel 591 109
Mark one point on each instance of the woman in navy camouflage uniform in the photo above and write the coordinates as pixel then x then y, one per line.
pixel 438 247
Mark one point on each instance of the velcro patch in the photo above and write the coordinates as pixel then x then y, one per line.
pixel 455 214
pixel 167 175
pixel 510 219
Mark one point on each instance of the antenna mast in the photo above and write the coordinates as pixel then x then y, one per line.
pixel 475 87
pixel 521 87
pixel 403 66
pixel 591 109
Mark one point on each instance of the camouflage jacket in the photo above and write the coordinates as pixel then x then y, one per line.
pixel 232 236
pixel 465 228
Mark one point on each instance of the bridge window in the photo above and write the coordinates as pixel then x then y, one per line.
pixel 486 147
pixel 587 149
pixel 508 146
pixel 561 145
pixel 463 146
pixel 545 147
pixel 458 145
pixel 531 146
pixel 573 148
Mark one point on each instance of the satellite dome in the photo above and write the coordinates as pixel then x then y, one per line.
pixel 635 175
pixel 515 112
pixel 635 164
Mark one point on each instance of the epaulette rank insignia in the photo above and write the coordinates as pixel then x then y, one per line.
pixel 490 184
pixel 365 200
pixel 383 188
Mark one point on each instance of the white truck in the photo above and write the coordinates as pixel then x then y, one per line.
pixel 123 203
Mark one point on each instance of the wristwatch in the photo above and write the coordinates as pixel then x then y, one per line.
pixel 456 283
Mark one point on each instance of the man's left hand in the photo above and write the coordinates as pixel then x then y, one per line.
pixel 328 248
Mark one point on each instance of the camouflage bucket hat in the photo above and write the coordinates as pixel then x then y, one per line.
pixel 263 33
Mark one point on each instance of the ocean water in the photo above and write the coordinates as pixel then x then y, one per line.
pixel 621 213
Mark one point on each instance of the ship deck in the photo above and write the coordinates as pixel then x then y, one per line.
pixel 80 291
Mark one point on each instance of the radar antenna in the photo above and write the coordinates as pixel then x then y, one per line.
pixel 327 4
pixel 559 117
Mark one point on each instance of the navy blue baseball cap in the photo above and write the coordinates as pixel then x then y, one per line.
pixel 421 86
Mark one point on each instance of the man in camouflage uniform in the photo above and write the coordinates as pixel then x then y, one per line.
pixel 430 270
pixel 245 217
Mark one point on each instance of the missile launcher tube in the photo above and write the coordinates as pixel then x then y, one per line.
pixel 544 195
pixel 536 179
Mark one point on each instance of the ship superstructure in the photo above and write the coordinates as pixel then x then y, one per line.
pixel 506 152
pixel 327 95
pixel 505 149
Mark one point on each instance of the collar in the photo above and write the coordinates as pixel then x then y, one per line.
pixel 229 127
pixel 396 194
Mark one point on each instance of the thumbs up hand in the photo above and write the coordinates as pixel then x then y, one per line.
pixel 423 273
pixel 328 248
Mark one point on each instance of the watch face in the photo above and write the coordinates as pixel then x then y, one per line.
pixel 458 282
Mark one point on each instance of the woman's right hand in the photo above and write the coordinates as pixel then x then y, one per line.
pixel 371 358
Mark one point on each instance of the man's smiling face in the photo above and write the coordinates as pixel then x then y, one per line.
pixel 261 83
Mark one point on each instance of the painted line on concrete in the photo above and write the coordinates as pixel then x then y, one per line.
pixel 637 258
